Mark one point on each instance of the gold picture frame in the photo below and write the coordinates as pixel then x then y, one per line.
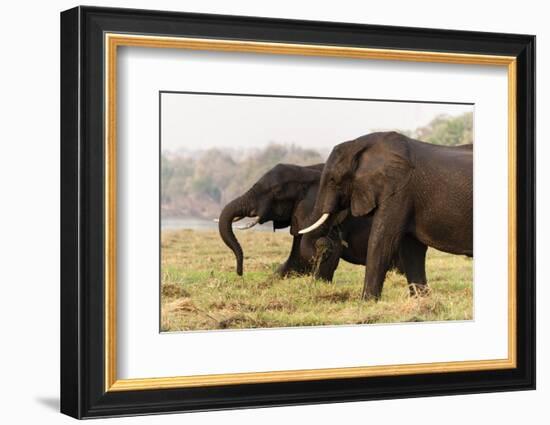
pixel 114 41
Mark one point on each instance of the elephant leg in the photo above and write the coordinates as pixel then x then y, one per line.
pixel 294 262
pixel 412 255
pixel 327 256
pixel 386 234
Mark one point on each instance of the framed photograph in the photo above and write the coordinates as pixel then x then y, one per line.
pixel 261 212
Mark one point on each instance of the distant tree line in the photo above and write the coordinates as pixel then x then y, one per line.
pixel 200 185
pixel 446 130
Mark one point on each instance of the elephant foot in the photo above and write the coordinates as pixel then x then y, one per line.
pixel 418 290
pixel 281 270
pixel 368 295
pixel 286 270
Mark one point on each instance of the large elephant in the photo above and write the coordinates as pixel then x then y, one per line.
pixel 286 196
pixel 411 189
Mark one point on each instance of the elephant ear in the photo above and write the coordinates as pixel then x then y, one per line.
pixel 307 185
pixel 381 170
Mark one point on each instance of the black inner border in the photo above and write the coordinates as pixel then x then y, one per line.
pixel 287 96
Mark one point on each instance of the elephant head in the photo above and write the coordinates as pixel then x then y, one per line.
pixel 272 198
pixel 359 175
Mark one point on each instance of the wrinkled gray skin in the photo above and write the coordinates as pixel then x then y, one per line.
pixel 286 195
pixel 410 189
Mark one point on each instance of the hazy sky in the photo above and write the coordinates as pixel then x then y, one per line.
pixel 193 121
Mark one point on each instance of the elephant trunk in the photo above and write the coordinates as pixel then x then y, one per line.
pixel 239 207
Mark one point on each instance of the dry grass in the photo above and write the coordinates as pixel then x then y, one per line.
pixel 200 289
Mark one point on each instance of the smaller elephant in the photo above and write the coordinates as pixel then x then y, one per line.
pixel 286 196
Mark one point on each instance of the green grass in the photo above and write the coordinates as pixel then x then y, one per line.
pixel 200 289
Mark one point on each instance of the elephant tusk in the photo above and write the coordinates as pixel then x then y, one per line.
pixel 249 225
pixel 217 220
pixel 315 225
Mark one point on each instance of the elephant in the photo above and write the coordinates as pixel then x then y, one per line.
pixel 286 196
pixel 410 189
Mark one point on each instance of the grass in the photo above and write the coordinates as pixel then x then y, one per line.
pixel 200 289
